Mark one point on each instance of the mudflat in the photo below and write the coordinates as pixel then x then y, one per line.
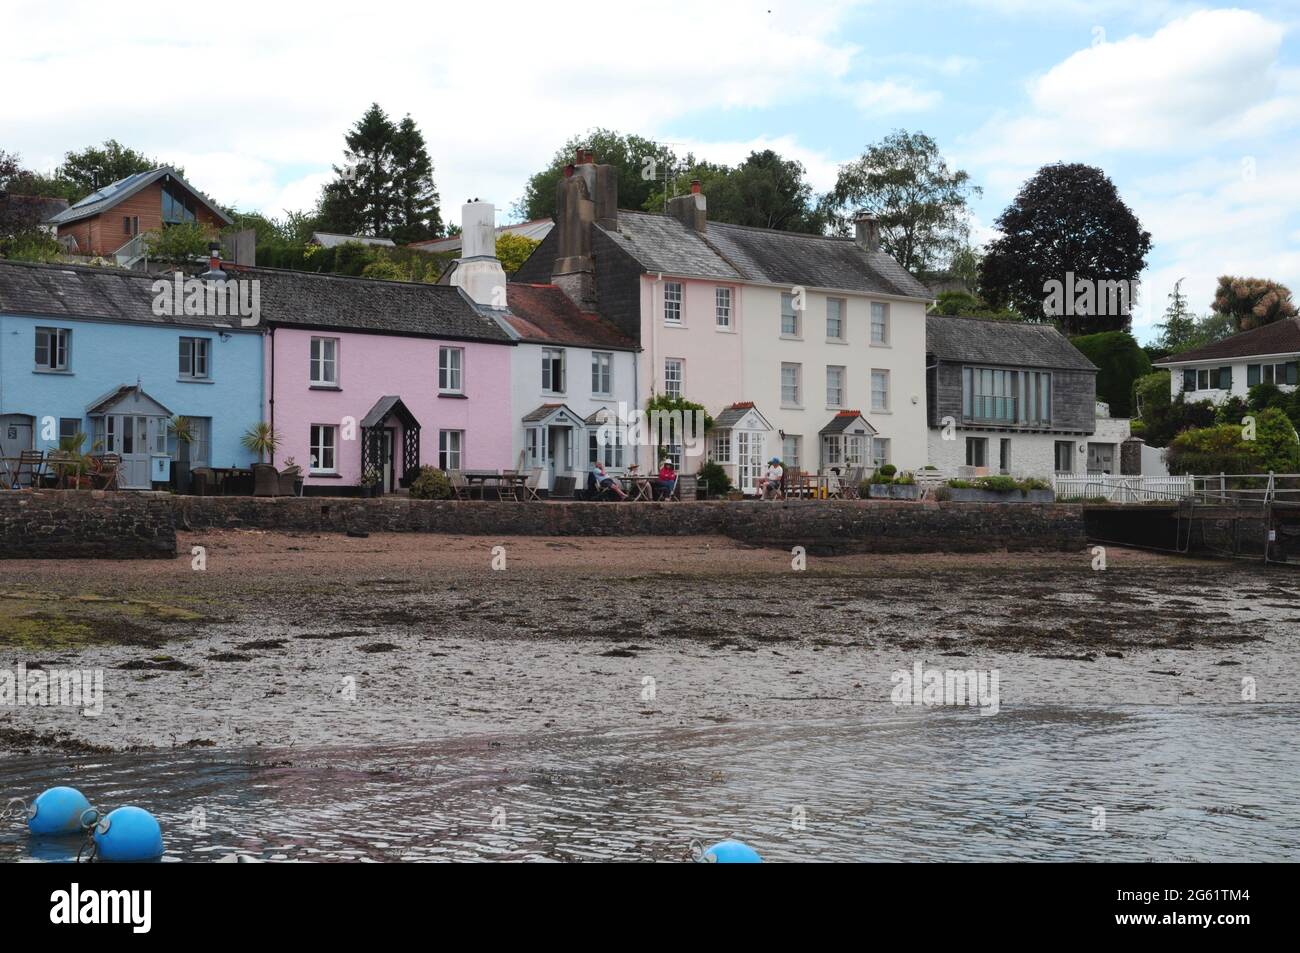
pixel 302 639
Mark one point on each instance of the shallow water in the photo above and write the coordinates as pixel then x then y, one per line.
pixel 1187 782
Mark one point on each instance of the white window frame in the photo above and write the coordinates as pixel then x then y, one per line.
pixel 451 370
pixel 447 454
pixel 602 374
pixel 722 308
pixel 319 446
pixel 832 401
pixel 551 357
pixel 318 361
pixel 798 385
pixel 790 458
pixel 58 349
pixel 678 365
pixel 879 451
pixel 720 446
pixel 197 346
pixel 881 309
pixel 674 301
pixel 884 407
pixel 794 312
pixel 844 310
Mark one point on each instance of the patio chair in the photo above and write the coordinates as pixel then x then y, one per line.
pixel 459 485
pixel 688 487
pixel 531 484
pixel 508 487
pixel 33 462
pixel 288 479
pixel 59 465
pixel 849 489
pixel 203 482
pixel 563 489
pixel 266 480
pixel 670 495
pixel 105 470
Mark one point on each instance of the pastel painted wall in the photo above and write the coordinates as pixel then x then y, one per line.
pixel 371 366
pixel 103 356
pixel 1240 387
pixel 527 393
pixel 743 362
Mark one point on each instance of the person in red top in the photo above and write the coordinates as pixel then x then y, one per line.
pixel 667 480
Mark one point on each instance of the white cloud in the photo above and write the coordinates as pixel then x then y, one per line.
pixel 256 105
pixel 1213 74
pixel 890 96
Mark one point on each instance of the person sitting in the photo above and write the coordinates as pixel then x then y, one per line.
pixel 769 485
pixel 606 482
pixel 667 482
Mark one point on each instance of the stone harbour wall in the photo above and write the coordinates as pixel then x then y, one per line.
pixel 96 525
pixel 86 524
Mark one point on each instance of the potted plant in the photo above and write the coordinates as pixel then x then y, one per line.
pixel 182 429
pixel 885 485
pixel 1000 489
pixel 370 483
pixel 260 439
pixel 73 471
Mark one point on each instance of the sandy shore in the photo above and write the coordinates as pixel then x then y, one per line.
pixel 287 639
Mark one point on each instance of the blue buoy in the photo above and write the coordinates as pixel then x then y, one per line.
pixel 731 852
pixel 129 834
pixel 57 811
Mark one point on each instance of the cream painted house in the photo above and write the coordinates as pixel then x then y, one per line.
pixel 796 328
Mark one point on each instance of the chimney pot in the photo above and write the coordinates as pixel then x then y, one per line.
pixel 568 171
pixel 695 186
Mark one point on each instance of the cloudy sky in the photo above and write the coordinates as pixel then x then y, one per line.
pixel 1193 110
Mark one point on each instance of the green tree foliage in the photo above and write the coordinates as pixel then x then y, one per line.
pixel 964 304
pixel 1252 302
pixel 182 242
pixel 96 166
pixel 1179 330
pixel 921 205
pixel 513 250
pixel 1120 362
pixel 641 163
pixel 1224 448
pixel 385 187
pixel 418 217
pixel 1162 417
pixel 764 191
pixel 1068 218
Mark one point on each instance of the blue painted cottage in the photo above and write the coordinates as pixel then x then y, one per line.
pixel 85 350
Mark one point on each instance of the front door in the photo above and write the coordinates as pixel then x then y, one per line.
pixel 135 439
pixel 16 434
pixel 559 449
pixel 749 460
pixel 1101 458
pixel 387 457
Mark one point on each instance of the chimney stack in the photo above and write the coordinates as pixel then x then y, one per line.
pixel 866 231
pixel 691 210
pixel 587 195
pixel 478 271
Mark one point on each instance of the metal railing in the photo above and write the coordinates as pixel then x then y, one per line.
pixel 132 252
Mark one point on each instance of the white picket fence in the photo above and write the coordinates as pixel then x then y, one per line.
pixel 1122 489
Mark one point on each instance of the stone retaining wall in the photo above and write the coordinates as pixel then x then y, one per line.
pixel 86 524
pixel 80 524
pixel 821 526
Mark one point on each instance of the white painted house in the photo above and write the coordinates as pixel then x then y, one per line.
pixel 570 370
pixel 1229 368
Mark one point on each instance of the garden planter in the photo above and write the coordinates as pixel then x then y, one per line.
pixel 894 491
pixel 1000 496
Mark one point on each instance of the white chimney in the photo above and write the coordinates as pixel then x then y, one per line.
pixel 477 270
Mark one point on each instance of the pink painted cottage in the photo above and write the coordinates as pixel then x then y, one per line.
pixel 381 377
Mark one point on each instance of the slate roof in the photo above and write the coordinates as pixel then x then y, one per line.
pixel 735 413
pixel 115 192
pixel 386 406
pixel 308 299
pixel 286 298
pixel 81 291
pixel 845 419
pixel 545 410
pixel 39 208
pixel 1002 343
pixel 1280 337
pixel 110 400
pixel 660 243
pixel 544 314
pixel 334 239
